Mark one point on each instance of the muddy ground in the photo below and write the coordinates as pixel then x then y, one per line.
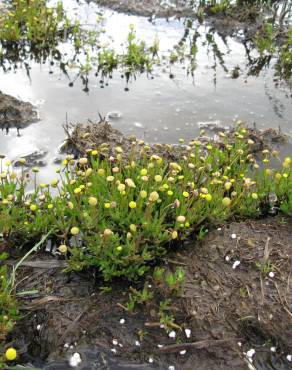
pixel 241 18
pixel 228 309
pixel 15 113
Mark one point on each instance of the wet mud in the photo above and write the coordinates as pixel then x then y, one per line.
pixel 15 113
pixel 228 308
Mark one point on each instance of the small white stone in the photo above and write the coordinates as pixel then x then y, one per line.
pixel 273 349
pixel 66 345
pixel 250 353
pixel 114 350
pixel 239 344
pixel 233 236
pixel 219 229
pixel 289 358
pixel 160 345
pixel 271 274
pixel 137 343
pixel 183 352
pixel 122 321
pixel 236 263
pixel 38 327
pixel 188 333
pixel 172 334
pixel 151 360
pixel 120 345
pixel 75 360
pixel 171 367
pixel 227 258
pixel 115 342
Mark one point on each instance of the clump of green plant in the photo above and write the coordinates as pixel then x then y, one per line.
pixel 8 306
pixel 121 212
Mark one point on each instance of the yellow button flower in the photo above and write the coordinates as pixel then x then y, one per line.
pixel 63 248
pixel 254 196
pixel 208 197
pixel 101 172
pixel 143 172
pixel 33 207
pixel 174 234
pixel 92 201
pixel 132 204
pixel 10 354
pixel 77 191
pixel 181 219
pixel 154 196
pixel 158 178
pixel 186 194
pixel 74 230
pixel 143 194
pixel 107 205
pixel 226 202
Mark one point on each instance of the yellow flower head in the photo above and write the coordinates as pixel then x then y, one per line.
pixel 121 187
pixel 181 219
pixel 154 196
pixel 132 204
pixel 254 196
pixel 77 191
pixel 50 206
pixel 130 183
pixel 33 207
pixel 143 194
pixel 10 354
pixel 107 205
pixel 107 232
pixel 74 230
pixel 63 249
pixel 174 234
pixel 226 202
pixel 119 248
pixel 92 201
pixel 158 178
pixel 208 197
pixel 83 161
pixel 101 172
pixel 133 228
pixel 143 172
pixel 186 194
pixel 110 178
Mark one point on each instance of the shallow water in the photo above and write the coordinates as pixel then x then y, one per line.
pixel 158 109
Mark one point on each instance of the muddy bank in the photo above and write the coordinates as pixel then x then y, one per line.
pixel 148 8
pixel 236 297
pixel 15 113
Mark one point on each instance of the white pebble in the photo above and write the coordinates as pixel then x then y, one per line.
pixel 66 345
pixel 137 343
pixel 38 327
pixel 183 352
pixel 115 342
pixel 172 334
pixel 239 344
pixel 160 345
pixel 236 263
pixel 271 274
pixel 171 367
pixel 227 258
pixel 219 229
pixel 289 358
pixel 75 360
pixel 114 350
pixel 151 360
pixel 273 349
pixel 122 321
pixel 233 236
pixel 188 333
pixel 250 353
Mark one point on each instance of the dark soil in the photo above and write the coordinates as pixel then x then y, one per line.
pixel 221 305
pixel 15 113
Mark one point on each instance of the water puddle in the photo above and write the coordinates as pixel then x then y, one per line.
pixel 157 108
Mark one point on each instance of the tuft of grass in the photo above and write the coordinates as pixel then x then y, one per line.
pixel 120 212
